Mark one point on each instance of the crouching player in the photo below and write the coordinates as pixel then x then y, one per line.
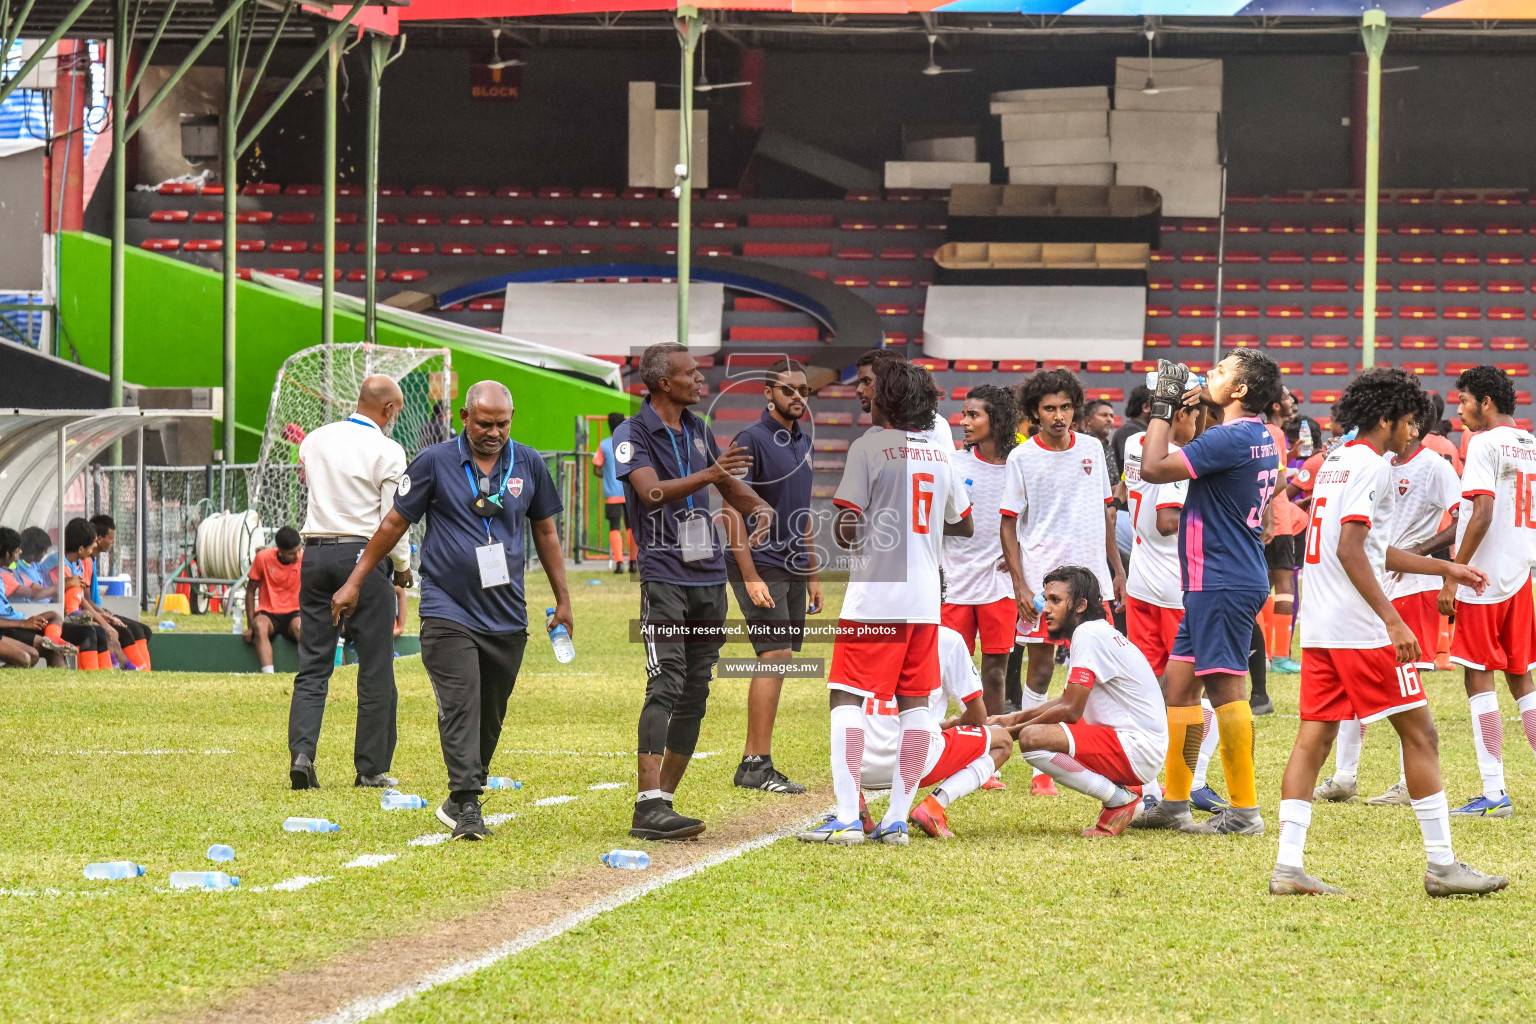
pixel 1107 734
pixel 962 752
pixel 1358 654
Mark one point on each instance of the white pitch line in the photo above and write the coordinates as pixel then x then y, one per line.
pixel 145 753
pixel 292 884
pixel 606 785
pixel 369 1006
pixel 698 755
pixel 370 860
pixel 550 801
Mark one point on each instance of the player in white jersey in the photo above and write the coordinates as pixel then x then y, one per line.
pixel 962 753
pixel 978 593
pixel 1496 533
pixel 896 501
pixel 1427 487
pixel 1058 498
pixel 1357 653
pixel 1107 734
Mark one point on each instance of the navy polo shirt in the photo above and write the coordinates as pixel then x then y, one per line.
pixel 781 476
pixel 643 440
pixel 436 484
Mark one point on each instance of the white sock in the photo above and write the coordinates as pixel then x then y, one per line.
pixel 910 762
pixel 1152 789
pixel 1208 740
pixel 648 794
pixel 668 797
pixel 1488 741
pixel 847 758
pixel 1351 739
pixel 1066 770
pixel 1295 819
pixel 1527 706
pixel 965 781
pixel 1031 699
pixel 267 668
pixel 1434 815
pixel 1402 772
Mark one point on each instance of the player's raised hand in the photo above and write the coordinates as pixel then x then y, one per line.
pixel 733 463
pixel 1404 644
pixel 1465 576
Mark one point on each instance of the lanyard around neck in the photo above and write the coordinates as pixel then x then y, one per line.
pixel 363 422
pixel 682 467
pixel 474 487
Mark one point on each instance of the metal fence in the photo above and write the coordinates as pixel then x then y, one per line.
pixel 24 318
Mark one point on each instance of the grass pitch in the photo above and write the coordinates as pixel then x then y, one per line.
pixel 1017 915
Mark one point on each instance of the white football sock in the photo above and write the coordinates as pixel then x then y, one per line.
pixel 965 781
pixel 648 794
pixel 847 758
pixel 910 763
pixel 1066 770
pixel 268 668
pixel 1488 741
pixel 1402 772
pixel 1152 789
pixel 1295 819
pixel 668 797
pixel 1527 706
pixel 1029 700
pixel 1208 740
pixel 1434 814
pixel 1351 739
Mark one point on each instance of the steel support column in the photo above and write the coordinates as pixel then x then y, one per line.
pixel 120 47
pixel 328 197
pixel 378 57
pixel 229 170
pixel 1374 30
pixel 689 29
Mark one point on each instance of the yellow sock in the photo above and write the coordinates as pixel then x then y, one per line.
pixel 1236 723
pixel 1186 728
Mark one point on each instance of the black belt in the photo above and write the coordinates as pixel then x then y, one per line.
pixel 310 542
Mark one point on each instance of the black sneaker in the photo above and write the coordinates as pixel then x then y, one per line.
pixel 655 819
pixel 1261 705
pixel 634 568
pixel 764 776
pixel 448 813
pixel 301 774
pixel 471 825
pixel 618 568
pixel 380 781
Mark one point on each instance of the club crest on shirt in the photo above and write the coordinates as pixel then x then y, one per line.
pixel 1402 486
pixel 698 443
pixel 404 486
pixel 515 486
pixel 624 452
pixel 1088 466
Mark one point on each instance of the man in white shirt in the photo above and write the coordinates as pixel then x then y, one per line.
pixel 352 468
pixel 896 501
pixel 1105 736
pixel 1496 532
pixel 1357 653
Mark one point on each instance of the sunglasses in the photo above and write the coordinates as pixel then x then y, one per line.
pixel 803 391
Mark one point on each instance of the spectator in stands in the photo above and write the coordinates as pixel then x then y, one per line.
pixel 1135 420
pixel 614 508
pixel 132 634
pixel 35 544
pixel 25 639
pixel 272 594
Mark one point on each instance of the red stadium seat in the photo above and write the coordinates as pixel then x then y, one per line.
pixel 858 224
pixel 1502 313
pixel 1417 313
pixel 850 281
pixel 203 245
pixel 1417 286
pixel 787 249
pixel 1197 341
pixel 250 245
pixel 1163 256
pixel 178 188
pixel 1289 369
pixel 386 220
pixel 459 249
pixel 597 193
pixel 1197 312
pixel 295 218
pixel 1329 257
pixel 1104 394
pixel 855 254
pixel 1330 228
pixel 1244 227
pixel 883 309
pixel 1464 343
pixel 897 254
pixel 1459 229
pixel 1240 284
pixel 1329 369
pixel 1420 342
pixel 407 276
pixel 1336 284
pixel 416 248
pixel 316 274
pixel 471 192
pixel 932 365
pixel 973 366
pixel 1503 229
pixel 585 249
pixel 1326 396
pixel 1417 259
pixel 290 245
pixel 1283 312
pixel 1197 256
pixel 1505 259
pixel 259 188
pixel 1287 227
pixel 714 250
pixel 557 192
pixel 1285 256
pixel 1016 366
pixel 251 217
pixel 1475 313
pixel 1506 287
pixel 708 224
pixel 1243 256
pixel 1284 284
pixel 1460 259
pixel 515 192
pixel 358 276
pixel 894 282
pixel 548 222
pixel 429 192
pixel 1425 369
pixel 1509 344
pixel 465 220
pixel 1461 287
pixel 1330 341
pixel 170 217
pixel 544 249
pixel 1515 369
pixel 1328 312
pixel 1143 365
pixel 1197 284
pixel 1284 341
pixel 1156 341
pixel 490 306
pixel 1240 341
pixel 1158 311
pixel 1062 364
pixel 1097 366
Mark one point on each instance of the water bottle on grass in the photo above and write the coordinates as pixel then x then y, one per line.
pixel 114 870
pixel 627 860
pixel 560 639
pixel 502 782
pixel 203 880
pixel 309 825
pixel 401 802
pixel 221 852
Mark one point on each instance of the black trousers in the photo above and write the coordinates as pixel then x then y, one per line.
pixel 677 673
pixel 130 632
pixel 325 568
pixel 472 677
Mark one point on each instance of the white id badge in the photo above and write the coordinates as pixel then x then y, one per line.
pixel 493 565
pixel 694 538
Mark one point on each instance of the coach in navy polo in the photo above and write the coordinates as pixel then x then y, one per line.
pixel 772 582
pixel 668 458
pixel 477 492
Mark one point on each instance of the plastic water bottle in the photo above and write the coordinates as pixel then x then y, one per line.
pixel 167 624
pixel 341 652
pixel 1040 602
pixel 502 782
pixel 627 860
pixel 203 880
pixel 309 825
pixel 560 639
pixel 114 870
pixel 237 615
pixel 221 852
pixel 1304 439
pixel 402 802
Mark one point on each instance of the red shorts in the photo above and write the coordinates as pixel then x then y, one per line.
pixel 885 659
pixel 1152 629
pixel 1421 613
pixel 1338 684
pixel 1097 748
pixel 1496 636
pixel 1024 633
pixel 994 621
pixel 962 745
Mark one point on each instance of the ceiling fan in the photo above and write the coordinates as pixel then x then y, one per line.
pixel 1151 88
pixel 496 63
pixel 704 84
pixel 933 65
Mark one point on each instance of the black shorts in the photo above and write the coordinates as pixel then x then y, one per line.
pixel 783 625
pixel 618 515
pixel 1284 552
pixel 282 622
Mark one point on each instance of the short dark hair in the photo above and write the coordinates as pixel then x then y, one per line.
pixel 1093 403
pixel 875 355
pixel 10 543
pixel 1136 402
pixel 1048 382
pixel 78 533
pixel 656 363
pixel 905 395
pixel 36 542
pixel 1380 393
pixel 786 365
pixel 104 524
pixel 288 538
pixel 1083 585
pixel 1262 376
pixel 1001 413
pixel 614 419
pixel 1488 381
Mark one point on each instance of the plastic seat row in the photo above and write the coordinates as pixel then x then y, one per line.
pixel 1287 227
pixel 1334 284
pixel 1290 256
pixel 1196 311
pixel 1426 342
pixel 1386 197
